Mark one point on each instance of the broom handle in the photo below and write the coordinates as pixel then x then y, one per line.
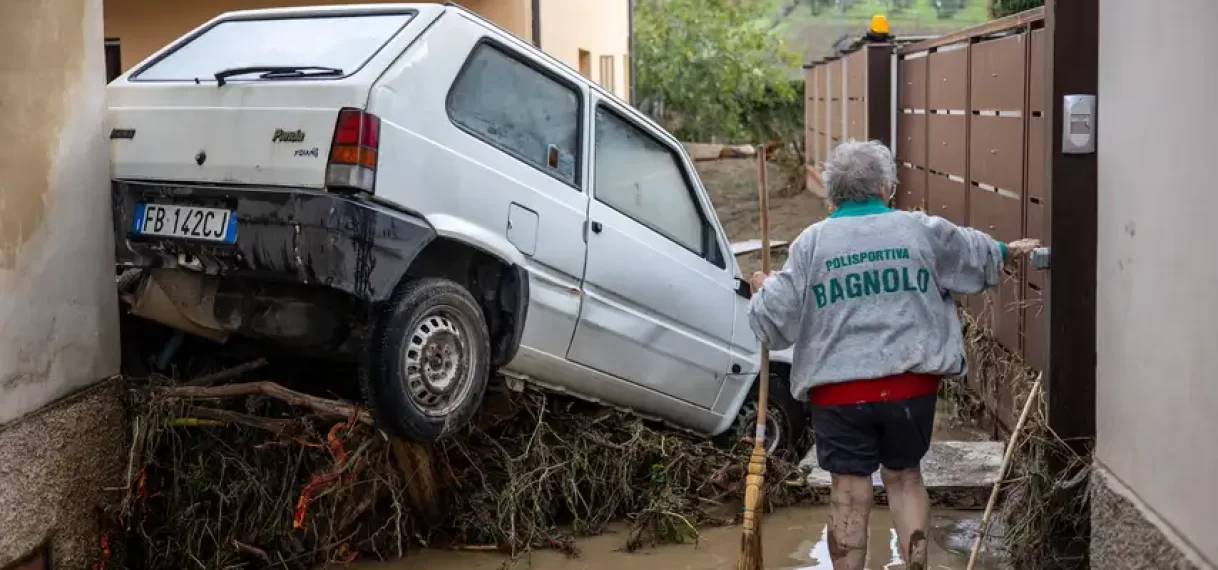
pixel 763 392
pixel 1002 472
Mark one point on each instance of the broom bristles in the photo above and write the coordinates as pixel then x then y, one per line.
pixel 750 551
pixel 750 541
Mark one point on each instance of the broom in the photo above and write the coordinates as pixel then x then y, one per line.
pixel 750 541
pixel 1002 472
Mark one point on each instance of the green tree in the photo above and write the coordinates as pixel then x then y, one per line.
pixel 703 66
pixel 1007 7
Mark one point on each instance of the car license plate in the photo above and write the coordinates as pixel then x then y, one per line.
pixel 190 222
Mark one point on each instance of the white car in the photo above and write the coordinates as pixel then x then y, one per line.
pixel 413 187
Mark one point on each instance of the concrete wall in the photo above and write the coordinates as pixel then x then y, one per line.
pixel 1157 300
pixel 598 27
pixel 58 314
pixel 144 26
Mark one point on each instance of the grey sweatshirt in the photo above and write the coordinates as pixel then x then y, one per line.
pixel 867 293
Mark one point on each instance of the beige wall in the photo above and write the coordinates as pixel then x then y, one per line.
pixel 58 314
pixel 144 26
pixel 58 308
pixel 599 27
pixel 1157 289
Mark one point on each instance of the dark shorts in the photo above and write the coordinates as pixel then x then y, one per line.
pixel 856 439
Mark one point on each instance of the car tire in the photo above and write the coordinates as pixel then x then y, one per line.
pixel 786 420
pixel 426 369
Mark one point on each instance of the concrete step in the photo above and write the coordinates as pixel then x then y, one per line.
pixel 958 474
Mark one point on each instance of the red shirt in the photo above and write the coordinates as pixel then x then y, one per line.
pixel 887 389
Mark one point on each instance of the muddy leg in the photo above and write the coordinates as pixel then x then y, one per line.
pixel 849 507
pixel 910 506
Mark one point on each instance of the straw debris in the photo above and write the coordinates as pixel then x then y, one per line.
pixel 1044 495
pixel 263 475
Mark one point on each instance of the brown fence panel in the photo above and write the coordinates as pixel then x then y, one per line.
pixel 998 74
pixel 856 120
pixel 945 198
pixel 1034 197
pixel 848 97
pixel 970 146
pixel 856 75
pixel 948 89
pixel 911 184
pixel 996 153
pixel 947 144
pixel 911 138
pixel 911 142
pixel 912 75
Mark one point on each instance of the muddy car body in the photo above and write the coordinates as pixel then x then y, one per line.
pixel 413 187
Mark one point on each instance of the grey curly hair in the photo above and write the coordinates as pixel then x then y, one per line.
pixel 859 170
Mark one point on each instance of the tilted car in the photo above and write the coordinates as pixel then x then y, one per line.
pixel 410 186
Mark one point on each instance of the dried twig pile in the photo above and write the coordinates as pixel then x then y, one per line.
pixel 261 475
pixel 1045 492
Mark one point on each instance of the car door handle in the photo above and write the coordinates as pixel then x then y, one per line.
pixel 597 227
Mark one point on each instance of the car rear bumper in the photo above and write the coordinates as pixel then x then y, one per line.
pixel 305 236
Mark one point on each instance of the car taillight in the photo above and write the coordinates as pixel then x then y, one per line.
pixel 353 152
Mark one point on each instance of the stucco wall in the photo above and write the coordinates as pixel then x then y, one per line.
pixel 58 314
pixel 599 27
pixel 144 26
pixel 1157 299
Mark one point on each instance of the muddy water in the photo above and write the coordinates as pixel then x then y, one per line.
pixel 793 539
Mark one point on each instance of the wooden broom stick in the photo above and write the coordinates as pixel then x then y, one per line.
pixel 1002 471
pixel 750 541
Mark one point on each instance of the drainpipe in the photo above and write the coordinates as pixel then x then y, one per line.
pixel 630 48
pixel 537 24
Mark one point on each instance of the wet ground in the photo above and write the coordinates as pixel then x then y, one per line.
pixel 793 539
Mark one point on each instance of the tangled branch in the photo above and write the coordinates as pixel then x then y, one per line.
pixel 260 474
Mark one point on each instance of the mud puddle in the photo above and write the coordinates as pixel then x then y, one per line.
pixel 793 539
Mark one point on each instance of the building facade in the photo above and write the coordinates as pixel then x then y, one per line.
pixel 592 36
pixel 1153 502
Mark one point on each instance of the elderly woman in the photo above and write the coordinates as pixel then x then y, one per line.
pixel 866 299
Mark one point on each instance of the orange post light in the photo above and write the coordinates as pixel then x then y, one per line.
pixel 878 29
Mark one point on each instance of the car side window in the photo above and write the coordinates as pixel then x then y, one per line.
pixel 642 178
pixel 522 111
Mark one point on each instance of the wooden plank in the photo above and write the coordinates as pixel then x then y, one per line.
pixel 752 245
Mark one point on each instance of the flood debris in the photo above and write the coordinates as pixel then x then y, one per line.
pixel 266 474
pixel 1045 495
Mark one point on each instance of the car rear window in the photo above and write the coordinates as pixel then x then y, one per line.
pixel 341 41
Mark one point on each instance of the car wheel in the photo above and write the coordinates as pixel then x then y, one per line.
pixel 426 369
pixel 786 420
